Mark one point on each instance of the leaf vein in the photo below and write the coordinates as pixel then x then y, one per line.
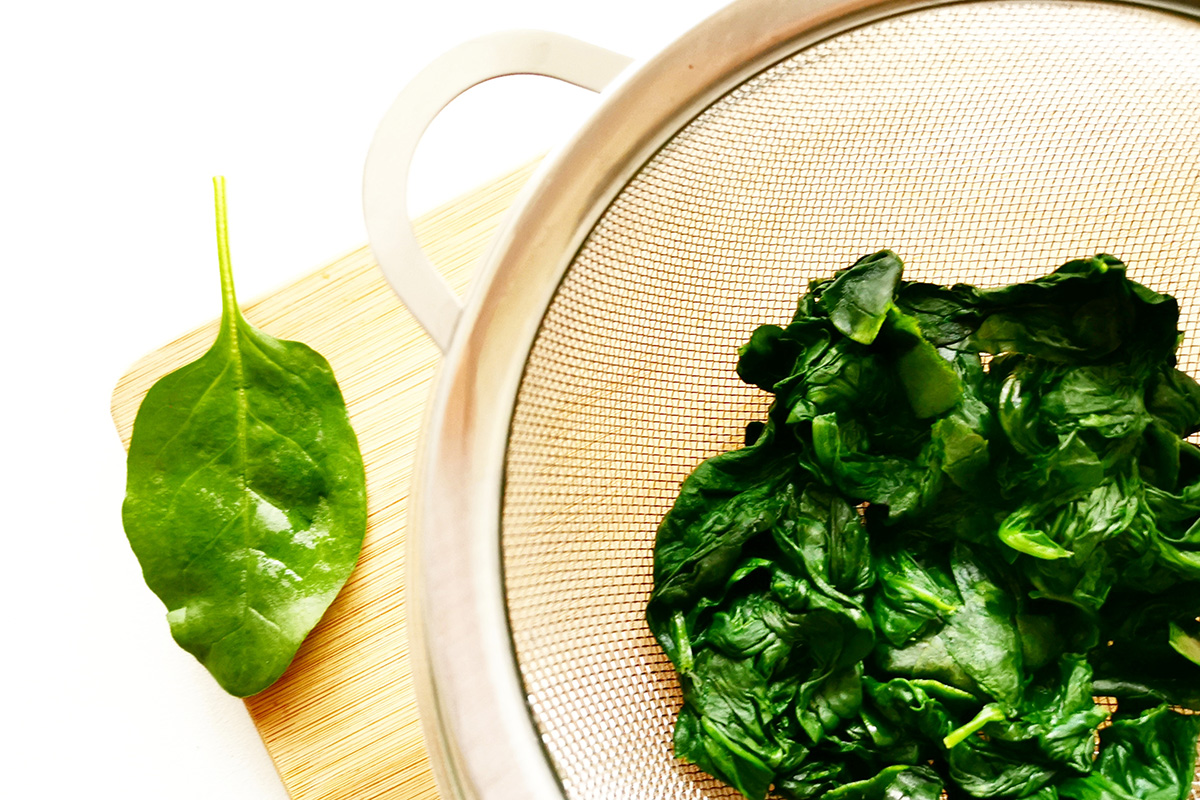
pixel 194 410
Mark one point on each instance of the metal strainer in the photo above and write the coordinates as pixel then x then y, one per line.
pixel 593 368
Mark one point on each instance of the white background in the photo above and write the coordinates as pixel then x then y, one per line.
pixel 114 117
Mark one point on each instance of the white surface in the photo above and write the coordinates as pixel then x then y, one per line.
pixel 115 117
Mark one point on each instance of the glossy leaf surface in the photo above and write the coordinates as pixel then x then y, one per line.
pixel 245 497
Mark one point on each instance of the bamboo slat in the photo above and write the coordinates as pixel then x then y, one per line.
pixel 342 722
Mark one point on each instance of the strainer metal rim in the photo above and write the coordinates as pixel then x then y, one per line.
pixel 478 725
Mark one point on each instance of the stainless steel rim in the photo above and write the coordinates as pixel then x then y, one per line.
pixel 469 687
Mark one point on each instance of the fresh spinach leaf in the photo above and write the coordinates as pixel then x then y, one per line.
pixel 245 498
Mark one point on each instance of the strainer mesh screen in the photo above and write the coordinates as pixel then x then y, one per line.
pixel 983 142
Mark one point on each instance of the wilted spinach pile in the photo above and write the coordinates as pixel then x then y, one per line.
pixel 1029 537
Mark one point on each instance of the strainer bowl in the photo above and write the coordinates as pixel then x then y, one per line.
pixel 593 367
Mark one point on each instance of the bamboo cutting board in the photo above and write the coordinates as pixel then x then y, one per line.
pixel 342 721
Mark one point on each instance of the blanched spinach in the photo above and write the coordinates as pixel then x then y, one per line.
pixel 967 511
pixel 1148 757
pixel 245 498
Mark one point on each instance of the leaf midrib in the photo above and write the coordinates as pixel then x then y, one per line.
pixel 242 459
pixel 232 321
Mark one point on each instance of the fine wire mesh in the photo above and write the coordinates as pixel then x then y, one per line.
pixel 983 142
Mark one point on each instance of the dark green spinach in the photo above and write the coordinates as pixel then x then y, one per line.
pixel 967 512
pixel 1147 757
pixel 245 497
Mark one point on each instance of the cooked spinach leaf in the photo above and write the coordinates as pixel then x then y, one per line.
pixel 967 512
pixel 858 299
pixel 245 498
pixel 1148 757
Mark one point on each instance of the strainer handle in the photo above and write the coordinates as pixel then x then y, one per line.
pixel 385 177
